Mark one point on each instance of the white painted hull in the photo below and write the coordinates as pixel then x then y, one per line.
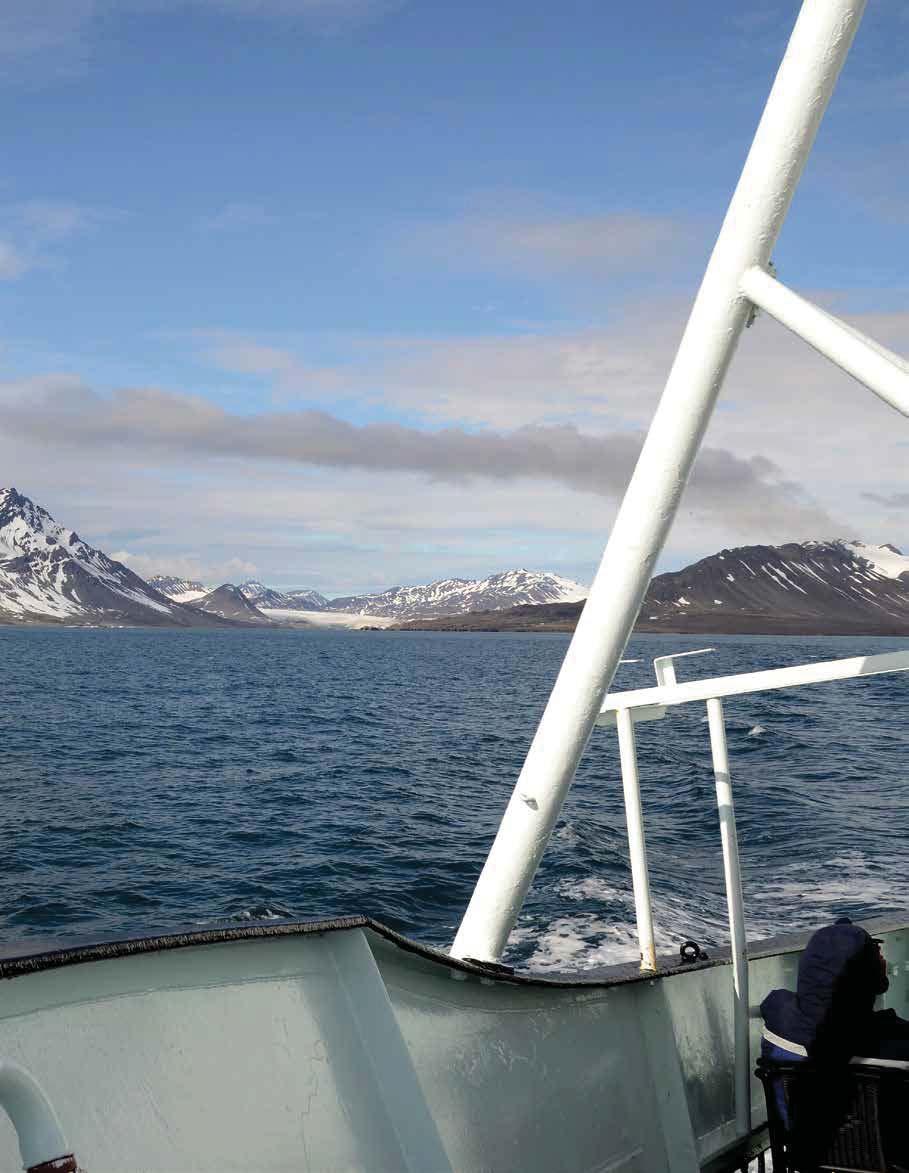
pixel 347 1048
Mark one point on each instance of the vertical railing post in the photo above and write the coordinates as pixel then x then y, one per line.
pixel 637 845
pixel 736 908
pixel 803 85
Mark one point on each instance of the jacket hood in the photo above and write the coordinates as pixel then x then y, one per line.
pixel 839 978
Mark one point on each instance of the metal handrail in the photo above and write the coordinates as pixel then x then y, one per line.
pixel 625 708
pixel 823 672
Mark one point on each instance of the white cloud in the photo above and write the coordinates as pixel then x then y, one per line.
pixel 58 219
pixel 12 262
pixel 33 227
pixel 781 401
pixel 236 217
pixel 169 427
pixel 495 380
pixel 518 233
pixel 795 450
pixel 189 566
pixel 290 375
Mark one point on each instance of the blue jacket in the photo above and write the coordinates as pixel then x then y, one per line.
pixel 831 1014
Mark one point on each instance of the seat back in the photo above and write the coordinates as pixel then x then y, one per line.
pixel 830 1117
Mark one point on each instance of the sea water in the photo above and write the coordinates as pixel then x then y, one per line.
pixel 157 780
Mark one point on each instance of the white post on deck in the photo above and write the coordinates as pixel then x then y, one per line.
pixel 804 83
pixel 637 846
pixel 736 906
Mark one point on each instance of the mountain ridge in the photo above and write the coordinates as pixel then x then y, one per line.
pixel 455 596
pixel 449 596
pixel 835 587
pixel 48 574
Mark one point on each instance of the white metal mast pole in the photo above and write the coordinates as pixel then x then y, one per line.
pixel 804 83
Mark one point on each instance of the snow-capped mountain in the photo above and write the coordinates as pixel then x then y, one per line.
pixel 264 596
pixel 833 586
pixel 306 601
pixel 181 590
pixel 48 574
pixel 453 596
pixel 457 596
pixel 229 602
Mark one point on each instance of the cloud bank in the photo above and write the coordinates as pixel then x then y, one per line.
pixel 169 427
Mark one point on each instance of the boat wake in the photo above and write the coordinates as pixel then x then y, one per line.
pixel 801 895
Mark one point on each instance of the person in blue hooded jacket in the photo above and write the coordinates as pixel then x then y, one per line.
pixel 831 1017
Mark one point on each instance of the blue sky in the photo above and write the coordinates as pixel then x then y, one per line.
pixel 343 293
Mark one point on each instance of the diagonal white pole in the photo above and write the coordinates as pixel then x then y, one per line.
pixel 804 83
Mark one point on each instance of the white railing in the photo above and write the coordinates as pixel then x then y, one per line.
pixel 624 709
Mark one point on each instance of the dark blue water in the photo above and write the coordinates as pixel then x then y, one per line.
pixel 155 779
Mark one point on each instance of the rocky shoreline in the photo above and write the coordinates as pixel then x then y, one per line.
pixel 564 617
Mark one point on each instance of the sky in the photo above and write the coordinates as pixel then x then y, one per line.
pixel 344 294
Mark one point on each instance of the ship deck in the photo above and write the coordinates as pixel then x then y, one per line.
pixel 340 1044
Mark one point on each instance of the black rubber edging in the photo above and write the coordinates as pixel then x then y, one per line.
pixel 14 963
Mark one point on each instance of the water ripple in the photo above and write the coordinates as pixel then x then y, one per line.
pixel 154 780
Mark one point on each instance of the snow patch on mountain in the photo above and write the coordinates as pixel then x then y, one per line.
pixel 322 618
pixel 887 560
pixel 181 590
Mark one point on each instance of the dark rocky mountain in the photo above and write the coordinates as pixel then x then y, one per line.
pixel 837 586
pixel 458 596
pixel 49 575
pixel 807 588
pixel 306 601
pixel 262 596
pixel 229 602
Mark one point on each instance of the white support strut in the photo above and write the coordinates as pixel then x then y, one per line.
pixel 637 845
pixel 881 371
pixel 736 908
pixel 817 49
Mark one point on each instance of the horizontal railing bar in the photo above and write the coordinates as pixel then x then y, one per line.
pixel 664 666
pixel 642 713
pixel 720 686
pixel 879 369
